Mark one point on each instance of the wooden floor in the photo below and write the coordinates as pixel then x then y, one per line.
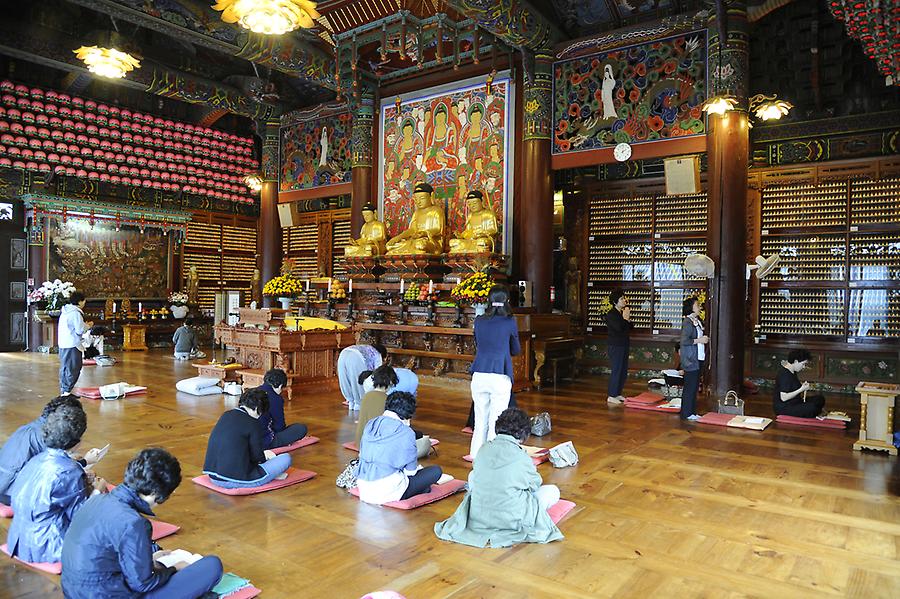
pixel 665 509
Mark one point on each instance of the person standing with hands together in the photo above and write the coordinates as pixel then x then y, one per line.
pixel 693 355
pixel 618 327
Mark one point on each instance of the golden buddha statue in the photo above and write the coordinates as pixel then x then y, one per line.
pixel 372 236
pixel 425 234
pixel 481 228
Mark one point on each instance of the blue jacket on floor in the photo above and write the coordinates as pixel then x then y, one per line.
pixel 108 552
pixel 22 445
pixel 47 493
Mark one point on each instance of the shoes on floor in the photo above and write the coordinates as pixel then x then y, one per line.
pixel 693 418
pixel 620 398
pixel 615 400
pixel 282 476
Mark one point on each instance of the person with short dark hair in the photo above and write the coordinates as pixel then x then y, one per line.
pixel 69 336
pixel 28 441
pixel 108 550
pixel 506 502
pixel 789 397
pixel 388 467
pixel 353 361
pixel 692 348
pixel 275 432
pixel 93 342
pixel 187 343
pixel 49 490
pixel 618 327
pixel 384 379
pixel 235 456
pixel 496 341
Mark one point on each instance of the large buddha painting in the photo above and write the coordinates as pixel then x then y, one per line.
pixel 457 139
pixel 102 262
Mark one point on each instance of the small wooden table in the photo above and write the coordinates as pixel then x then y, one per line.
pixel 224 372
pixel 876 426
pixel 134 337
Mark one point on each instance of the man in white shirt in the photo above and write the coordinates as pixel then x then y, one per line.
pixel 69 335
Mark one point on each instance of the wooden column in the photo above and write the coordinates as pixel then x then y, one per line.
pixel 269 224
pixel 37 270
pixel 728 144
pixel 536 231
pixel 362 137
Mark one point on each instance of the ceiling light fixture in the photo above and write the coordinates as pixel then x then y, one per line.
pixel 107 62
pixel 768 108
pixel 254 182
pixel 269 17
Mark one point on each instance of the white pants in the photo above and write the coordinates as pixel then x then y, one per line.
pixel 490 392
pixel 547 496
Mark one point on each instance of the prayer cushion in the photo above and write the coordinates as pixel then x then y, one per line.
pixel 295 445
pixel 812 422
pixel 94 392
pixel 650 407
pixel 647 397
pixel 354 447
pixel 560 510
pixel 436 493
pixel 49 567
pixel 162 529
pixel 295 475
pixel 199 385
pixel 5 511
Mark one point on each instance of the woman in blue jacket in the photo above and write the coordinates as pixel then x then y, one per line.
pixel 693 350
pixel 277 433
pixel 108 552
pixel 388 468
pixel 496 341
pixel 49 490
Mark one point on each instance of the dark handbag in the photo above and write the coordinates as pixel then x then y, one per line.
pixel 540 424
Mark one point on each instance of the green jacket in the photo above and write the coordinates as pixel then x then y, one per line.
pixel 500 508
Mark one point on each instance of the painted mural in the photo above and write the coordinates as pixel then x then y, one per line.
pixel 316 152
pixel 647 92
pixel 102 262
pixel 456 140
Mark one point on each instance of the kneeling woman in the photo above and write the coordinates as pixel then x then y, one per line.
pixel 50 489
pixel 235 457
pixel 108 551
pixel 388 468
pixel 506 503
pixel 790 394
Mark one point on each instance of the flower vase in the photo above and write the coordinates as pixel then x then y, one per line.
pixel 178 312
pixel 285 302
pixel 479 309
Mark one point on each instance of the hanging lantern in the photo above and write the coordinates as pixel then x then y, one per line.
pixel 719 104
pixel 107 62
pixel 269 17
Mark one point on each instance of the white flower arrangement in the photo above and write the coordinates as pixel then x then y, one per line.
pixel 178 298
pixel 55 293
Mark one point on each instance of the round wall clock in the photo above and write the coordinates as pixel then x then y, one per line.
pixel 622 152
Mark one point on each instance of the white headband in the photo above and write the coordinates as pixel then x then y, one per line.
pixel 497 304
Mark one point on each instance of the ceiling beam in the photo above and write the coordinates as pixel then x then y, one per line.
pixel 282 53
pixel 515 22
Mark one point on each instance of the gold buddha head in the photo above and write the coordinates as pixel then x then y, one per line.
pixel 440 115
pixel 368 213
pixel 422 195
pixel 474 200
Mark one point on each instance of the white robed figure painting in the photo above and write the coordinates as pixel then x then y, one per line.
pixel 606 93
pixel 323 156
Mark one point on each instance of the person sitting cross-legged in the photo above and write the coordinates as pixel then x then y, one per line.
pixel 235 457
pixel 388 467
pixel 108 551
pixel 275 432
pixel 506 503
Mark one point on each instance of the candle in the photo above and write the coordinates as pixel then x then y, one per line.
pixel 350 290
pixel 140 307
pixel 430 286
pixel 307 284
pixel 402 286
pixel 114 307
pixel 329 285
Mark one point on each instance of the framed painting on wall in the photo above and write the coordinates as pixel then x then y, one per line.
pixel 17 328
pixel 17 254
pixel 17 291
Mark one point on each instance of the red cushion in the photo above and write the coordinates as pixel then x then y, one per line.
pixel 560 509
pixel 296 445
pixel 437 493
pixel 649 407
pixel 49 567
pixel 646 397
pixel 812 422
pixel 162 529
pixel 5 511
pixel 352 446
pixel 537 460
pixel 94 392
pixel 295 475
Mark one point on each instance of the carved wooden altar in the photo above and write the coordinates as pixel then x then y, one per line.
pixel 308 357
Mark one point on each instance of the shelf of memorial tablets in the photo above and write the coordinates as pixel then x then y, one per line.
pixel 838 284
pixel 814 342
pixel 609 285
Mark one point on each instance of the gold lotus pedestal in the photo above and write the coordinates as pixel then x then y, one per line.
pixel 411 267
pixel 463 265
pixel 363 268
pixel 876 423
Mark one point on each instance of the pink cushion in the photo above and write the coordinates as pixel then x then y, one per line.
pixel 383 595
pixel 5 511
pixel 354 447
pixel 94 392
pixel 296 445
pixel 536 459
pixel 812 422
pixel 295 475
pixel 437 493
pixel 560 509
pixel 244 593
pixel 646 397
pixel 716 419
pixel 89 362
pixel 467 431
pixel 50 568
pixel 649 407
pixel 162 529
pixel 732 421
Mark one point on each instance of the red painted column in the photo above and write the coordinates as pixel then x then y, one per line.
pixel 363 137
pixel 269 224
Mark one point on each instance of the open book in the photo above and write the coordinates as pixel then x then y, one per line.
pixel 177 556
